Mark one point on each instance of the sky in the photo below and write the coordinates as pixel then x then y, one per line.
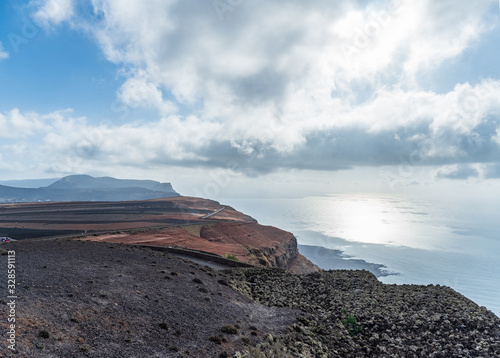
pixel 248 98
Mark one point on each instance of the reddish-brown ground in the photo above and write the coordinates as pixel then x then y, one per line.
pixel 21 221
pixel 192 223
pixel 172 237
pixel 249 242
pixel 221 239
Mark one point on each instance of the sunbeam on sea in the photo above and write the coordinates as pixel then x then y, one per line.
pixel 408 240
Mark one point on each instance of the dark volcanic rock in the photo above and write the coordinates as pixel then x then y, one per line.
pixel 88 299
pixel 352 314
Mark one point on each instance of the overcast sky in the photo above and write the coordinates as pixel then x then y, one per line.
pixel 216 96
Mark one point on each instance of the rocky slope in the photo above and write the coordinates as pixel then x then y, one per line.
pixel 352 314
pixel 89 299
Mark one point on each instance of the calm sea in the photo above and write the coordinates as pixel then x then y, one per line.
pixel 450 242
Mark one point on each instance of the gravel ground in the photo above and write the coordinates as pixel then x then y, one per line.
pixel 88 299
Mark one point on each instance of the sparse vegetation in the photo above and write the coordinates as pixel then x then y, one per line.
pixel 269 349
pixel 351 325
pixel 334 306
pixel 232 257
pixel 223 282
pixel 229 329
pixel 44 334
pixel 216 339
pixel 193 229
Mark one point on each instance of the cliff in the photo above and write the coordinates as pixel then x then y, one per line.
pixel 265 246
pixel 248 242
pixel 90 299
pixel 193 223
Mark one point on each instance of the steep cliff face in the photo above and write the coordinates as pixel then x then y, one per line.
pixel 278 256
pixel 265 245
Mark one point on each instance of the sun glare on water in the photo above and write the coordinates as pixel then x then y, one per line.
pixel 380 220
pixel 364 220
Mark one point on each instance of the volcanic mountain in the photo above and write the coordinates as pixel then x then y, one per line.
pixel 87 188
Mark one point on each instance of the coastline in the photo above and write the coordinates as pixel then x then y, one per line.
pixel 421 249
pixel 329 259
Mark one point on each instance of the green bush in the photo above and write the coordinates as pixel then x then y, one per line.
pixel 351 325
pixel 232 257
pixel 229 329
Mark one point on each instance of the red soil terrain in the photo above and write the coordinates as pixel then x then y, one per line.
pixel 186 222
pixel 249 242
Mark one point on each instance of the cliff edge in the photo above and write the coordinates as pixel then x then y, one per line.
pixel 89 299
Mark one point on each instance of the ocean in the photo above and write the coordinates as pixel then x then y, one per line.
pixel 406 240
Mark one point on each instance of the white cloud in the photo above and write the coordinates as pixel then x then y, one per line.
pixel 269 57
pixel 3 54
pixel 13 124
pixel 318 85
pixel 141 90
pixel 52 12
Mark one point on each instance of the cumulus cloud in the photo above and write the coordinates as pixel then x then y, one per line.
pixel 142 91
pixel 52 12
pixel 268 84
pixel 3 54
pixel 256 57
pixel 13 124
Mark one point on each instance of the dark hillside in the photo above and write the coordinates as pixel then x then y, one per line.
pixel 87 188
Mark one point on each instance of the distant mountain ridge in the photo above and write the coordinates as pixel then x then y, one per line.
pixel 29 183
pixel 88 182
pixel 87 188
